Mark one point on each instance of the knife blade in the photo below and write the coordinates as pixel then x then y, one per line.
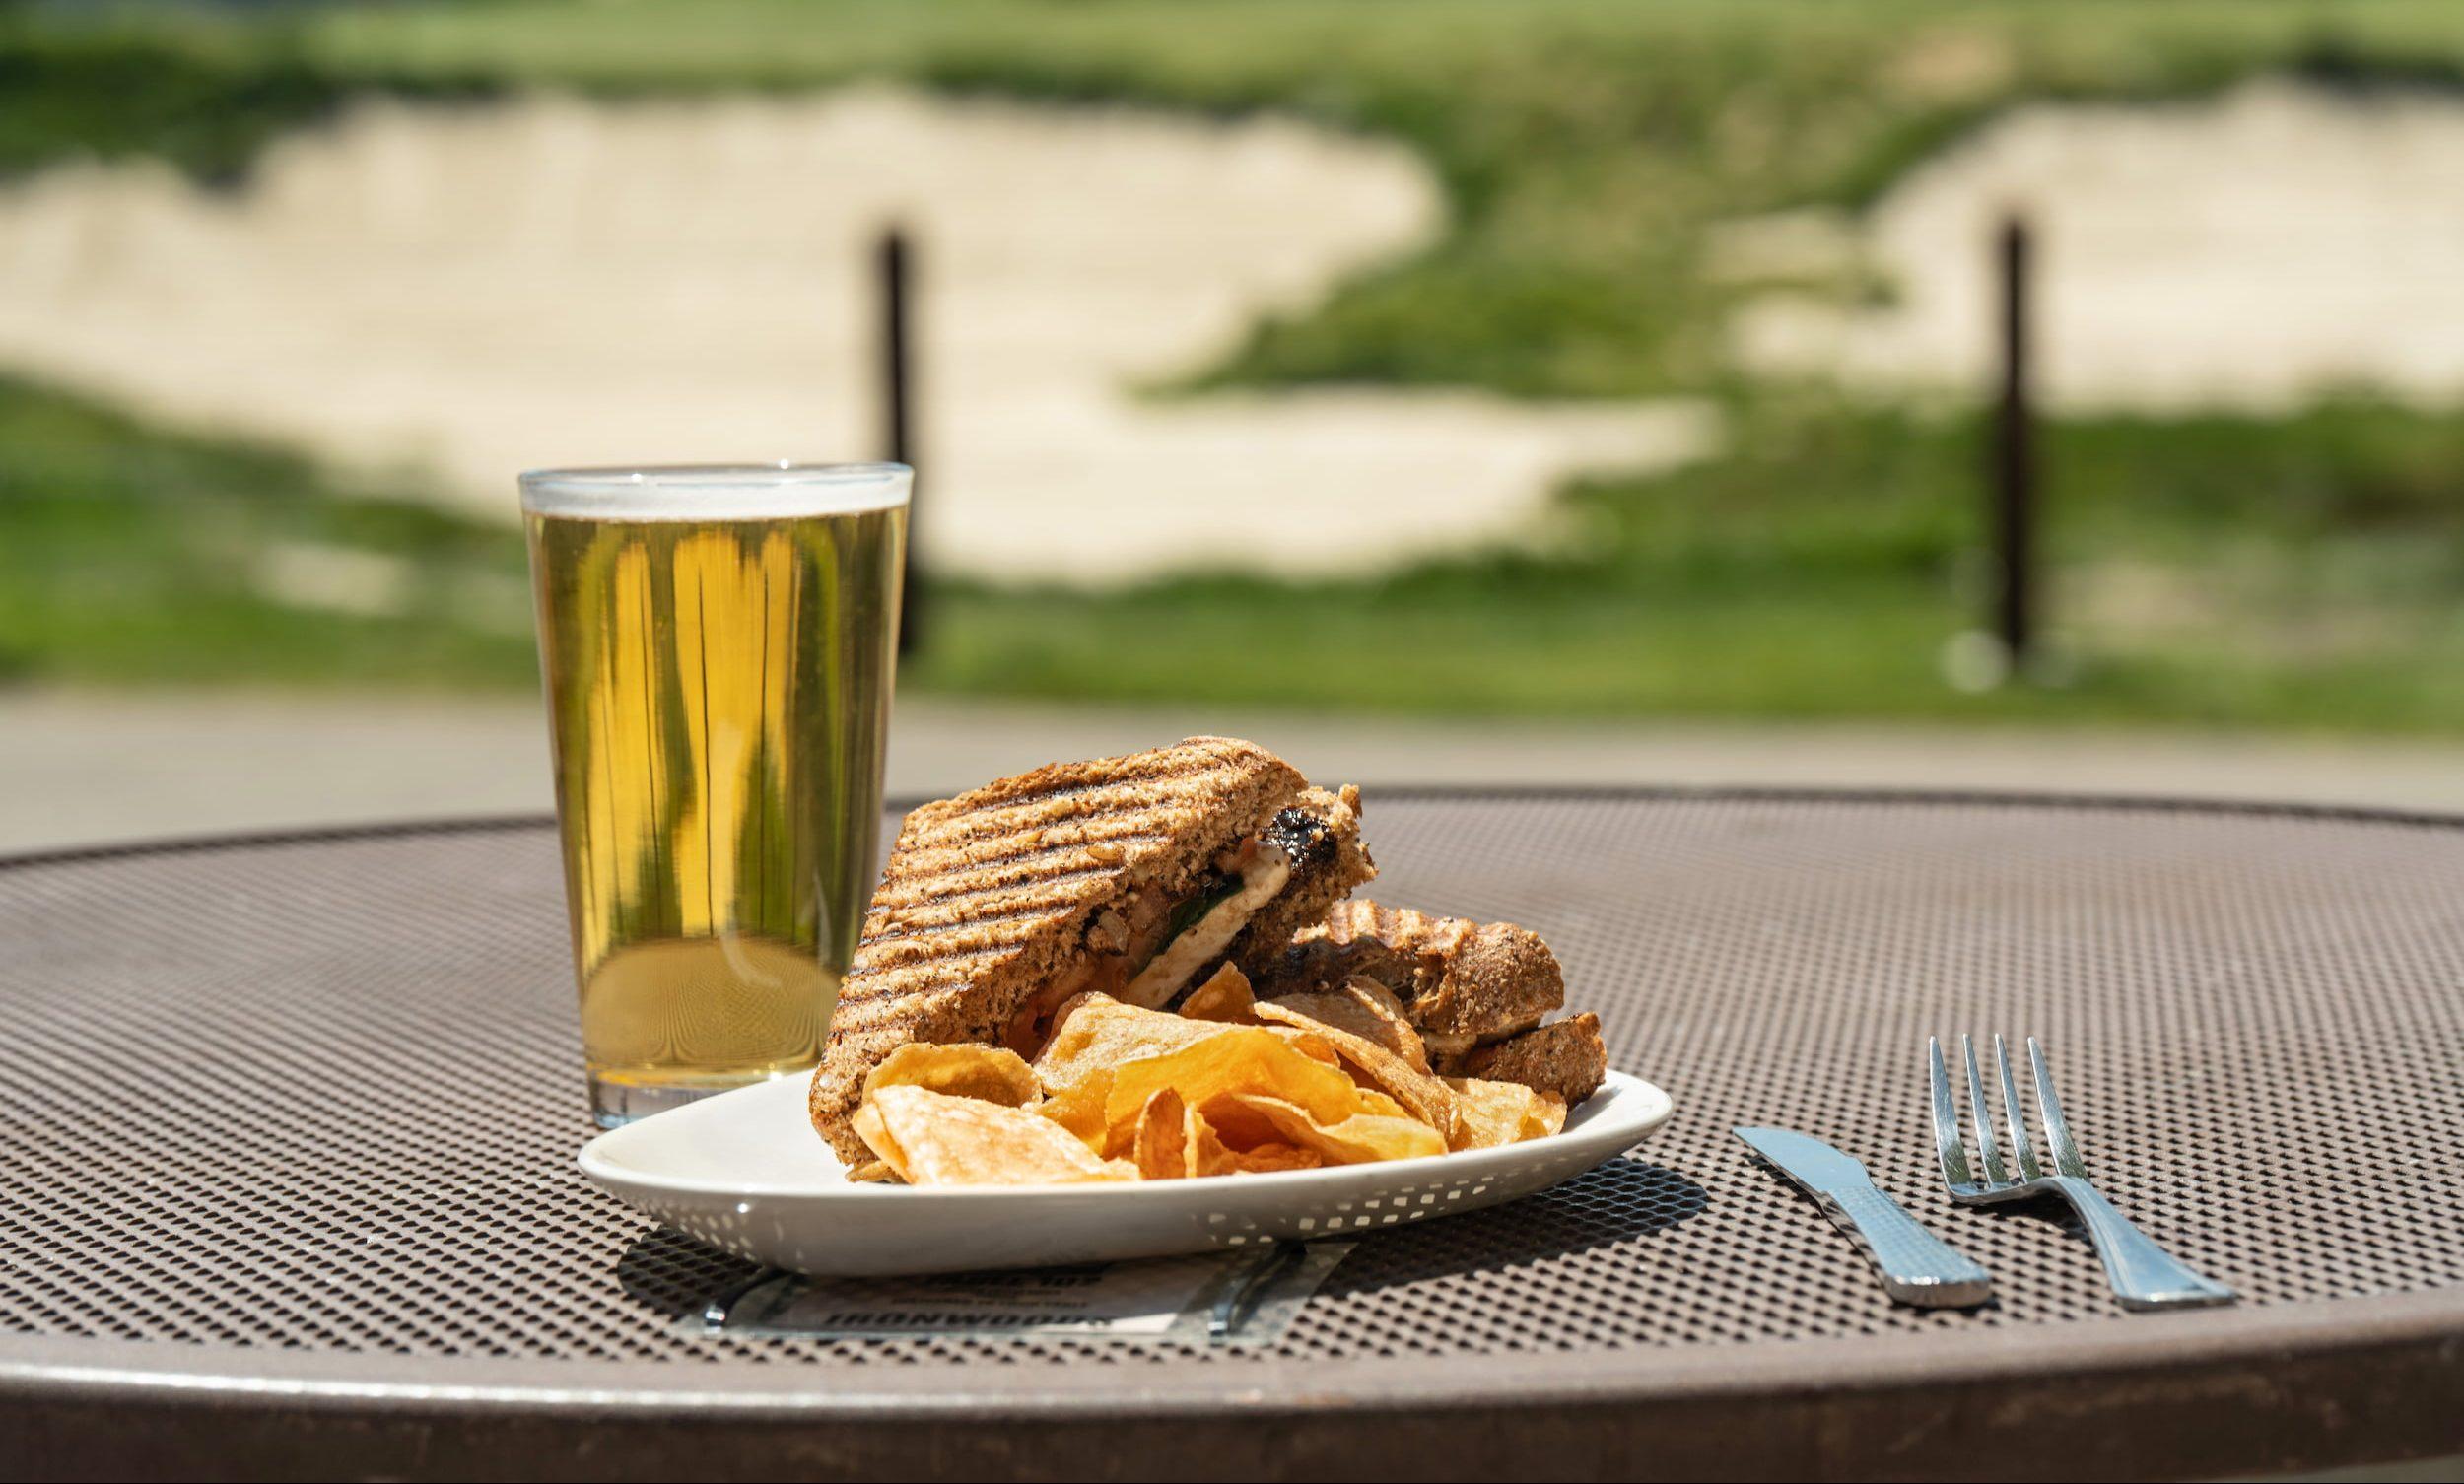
pixel 1916 1267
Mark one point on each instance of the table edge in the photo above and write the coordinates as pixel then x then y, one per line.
pixel 2226 1339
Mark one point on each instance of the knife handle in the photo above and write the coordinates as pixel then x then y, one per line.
pixel 1917 1267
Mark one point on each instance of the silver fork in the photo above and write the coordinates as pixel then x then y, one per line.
pixel 2144 1275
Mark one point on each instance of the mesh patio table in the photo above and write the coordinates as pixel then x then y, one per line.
pixel 287 1186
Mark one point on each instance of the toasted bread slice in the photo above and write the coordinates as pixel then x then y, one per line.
pixel 1463 983
pixel 1566 1057
pixel 990 900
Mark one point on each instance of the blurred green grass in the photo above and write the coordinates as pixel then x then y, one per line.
pixel 2304 572
pixel 2230 572
pixel 130 554
pixel 2300 572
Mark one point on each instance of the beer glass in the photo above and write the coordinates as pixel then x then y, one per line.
pixel 717 645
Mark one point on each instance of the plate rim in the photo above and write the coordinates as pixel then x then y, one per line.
pixel 1656 1109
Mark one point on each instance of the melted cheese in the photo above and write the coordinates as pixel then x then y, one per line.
pixel 1211 935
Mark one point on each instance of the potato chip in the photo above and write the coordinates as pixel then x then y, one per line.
pixel 1550 1118
pixel 1096 1032
pixel 1207 1152
pixel 1160 1147
pixel 1310 1042
pixel 1124 1092
pixel 1233 1060
pixel 1374 1101
pixel 1251 1120
pixel 934 1139
pixel 1369 1009
pixel 1093 1034
pixel 994 1074
pixel 1267 1159
pixel 1079 1108
pixel 1422 1093
pixel 1490 1114
pixel 1226 998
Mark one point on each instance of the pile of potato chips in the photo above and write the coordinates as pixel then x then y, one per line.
pixel 1227 1086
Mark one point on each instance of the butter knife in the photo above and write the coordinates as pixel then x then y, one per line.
pixel 1917 1267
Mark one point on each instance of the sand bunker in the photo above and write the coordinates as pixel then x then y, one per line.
pixel 2251 251
pixel 466 292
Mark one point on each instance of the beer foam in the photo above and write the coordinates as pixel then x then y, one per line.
pixel 716 492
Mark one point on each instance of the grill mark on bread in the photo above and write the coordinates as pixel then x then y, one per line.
pixel 1016 873
pixel 1080 807
pixel 984 934
pixel 889 917
pixel 1068 779
pixel 943 967
pixel 940 871
pixel 1405 929
pixel 1027 908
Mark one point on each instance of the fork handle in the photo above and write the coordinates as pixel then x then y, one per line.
pixel 2144 1275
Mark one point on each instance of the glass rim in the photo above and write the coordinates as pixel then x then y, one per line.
pixel 678 491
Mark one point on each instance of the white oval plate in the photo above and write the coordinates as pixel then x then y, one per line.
pixel 746 1172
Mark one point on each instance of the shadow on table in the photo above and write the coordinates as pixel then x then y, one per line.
pixel 675 1276
pixel 1620 1201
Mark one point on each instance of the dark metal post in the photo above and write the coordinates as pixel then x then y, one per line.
pixel 898 369
pixel 2014 519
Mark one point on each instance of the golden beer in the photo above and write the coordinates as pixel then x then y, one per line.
pixel 717 649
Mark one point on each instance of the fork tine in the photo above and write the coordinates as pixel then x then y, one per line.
pixel 2022 1153
pixel 1955 1156
pixel 2057 1128
pixel 1980 1114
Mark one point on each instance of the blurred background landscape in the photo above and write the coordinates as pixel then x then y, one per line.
pixel 1497 388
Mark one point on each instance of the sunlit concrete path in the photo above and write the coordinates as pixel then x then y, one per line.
pixel 85 768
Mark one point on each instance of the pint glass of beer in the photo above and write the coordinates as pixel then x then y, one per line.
pixel 717 645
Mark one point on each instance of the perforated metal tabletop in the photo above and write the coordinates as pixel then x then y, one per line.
pixel 287 1184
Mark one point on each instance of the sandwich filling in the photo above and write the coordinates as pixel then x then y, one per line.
pixel 1146 951
pixel 1444 1046
pixel 1220 917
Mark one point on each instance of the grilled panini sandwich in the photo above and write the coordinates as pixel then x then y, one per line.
pixel 1124 875
pixel 1476 991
